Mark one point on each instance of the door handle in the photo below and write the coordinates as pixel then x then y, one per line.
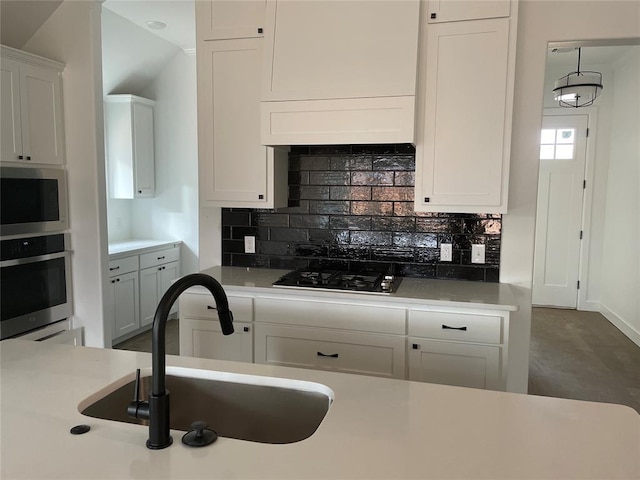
pixel 447 327
pixel 332 355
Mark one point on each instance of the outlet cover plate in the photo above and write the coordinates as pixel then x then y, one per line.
pixel 446 254
pixel 249 244
pixel 477 253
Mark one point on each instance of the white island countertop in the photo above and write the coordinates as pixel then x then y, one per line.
pixel 376 428
pixel 137 246
pixel 446 293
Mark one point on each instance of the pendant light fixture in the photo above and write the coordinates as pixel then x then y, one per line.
pixel 579 88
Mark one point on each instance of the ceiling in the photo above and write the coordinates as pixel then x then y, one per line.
pixel 21 19
pixel 178 15
pixel 568 57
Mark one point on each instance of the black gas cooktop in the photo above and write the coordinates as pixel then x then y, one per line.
pixel 366 280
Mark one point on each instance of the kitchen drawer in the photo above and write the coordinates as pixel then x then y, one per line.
pixel 199 305
pixel 123 265
pixel 464 327
pixel 332 314
pixel 369 354
pixel 158 258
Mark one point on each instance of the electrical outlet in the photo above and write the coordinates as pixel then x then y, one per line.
pixel 249 244
pixel 477 253
pixel 445 252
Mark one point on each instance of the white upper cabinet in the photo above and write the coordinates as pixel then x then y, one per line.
pixel 465 108
pixel 129 144
pixel 235 169
pixel 339 72
pixel 455 10
pixel 225 19
pixel 31 118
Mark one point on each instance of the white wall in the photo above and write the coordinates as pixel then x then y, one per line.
pixel 621 252
pixel 72 36
pixel 173 212
pixel 541 22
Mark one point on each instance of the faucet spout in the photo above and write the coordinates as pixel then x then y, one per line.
pixel 158 405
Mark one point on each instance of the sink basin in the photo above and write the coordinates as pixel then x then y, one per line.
pixel 245 407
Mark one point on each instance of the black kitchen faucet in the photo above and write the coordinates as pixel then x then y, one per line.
pixel 156 410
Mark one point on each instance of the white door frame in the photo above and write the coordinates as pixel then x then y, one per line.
pixel 587 202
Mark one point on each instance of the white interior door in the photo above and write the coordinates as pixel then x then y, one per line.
pixel 559 211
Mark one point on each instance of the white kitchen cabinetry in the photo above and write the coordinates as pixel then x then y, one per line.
pixel 129 146
pixel 457 348
pixel 158 270
pixel 224 19
pixel 465 108
pixel 235 169
pixel 123 295
pixel 200 332
pixel 32 117
pixel 137 283
pixel 330 349
pixel 353 337
pixel 339 72
pixel 455 10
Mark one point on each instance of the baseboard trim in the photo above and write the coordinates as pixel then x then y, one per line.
pixel 589 306
pixel 621 325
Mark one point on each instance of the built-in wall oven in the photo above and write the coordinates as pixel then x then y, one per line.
pixel 35 288
pixel 32 201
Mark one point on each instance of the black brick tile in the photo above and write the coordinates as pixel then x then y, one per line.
pixel 238 233
pixel 249 260
pixel 314 192
pixel 418 270
pixel 374 148
pixel 399 194
pixel 309 250
pixel 299 150
pixel 371 208
pixel 329 178
pixel 394 162
pixel 371 238
pixel 393 224
pixel 270 220
pixel 233 246
pixel 272 248
pixel 372 178
pixel 314 163
pixel 226 232
pixel 226 259
pixel 460 272
pixel 288 263
pixel 288 234
pixel 349 252
pixel 492 275
pixel 406 179
pixel 350 193
pixel 328 207
pixel 403 209
pixel 339 237
pixel 438 225
pixel 392 254
pixel 350 223
pixel 329 149
pixel 429 240
pixel 301 206
pixel 427 255
pixel 233 218
pixel 405 148
pixel 309 221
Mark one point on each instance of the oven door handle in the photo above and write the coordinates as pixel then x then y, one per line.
pixel 39 258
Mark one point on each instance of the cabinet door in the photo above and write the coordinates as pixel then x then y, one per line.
pixel 462 157
pixel 458 364
pixel 226 19
pixel 124 294
pixel 41 111
pixel 454 10
pixel 204 339
pixel 345 49
pixel 168 274
pixel 10 123
pixel 363 353
pixel 143 150
pixel 235 169
pixel 149 294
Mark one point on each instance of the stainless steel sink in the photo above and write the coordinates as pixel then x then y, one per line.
pixel 245 407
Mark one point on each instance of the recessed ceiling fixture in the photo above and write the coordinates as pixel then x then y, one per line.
pixel 579 88
pixel 156 25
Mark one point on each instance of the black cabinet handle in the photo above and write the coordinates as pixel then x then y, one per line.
pixel 114 268
pixel 28 157
pixel 447 327
pixel 260 30
pixel 161 258
pixel 246 329
pixel 20 157
pixel 415 346
pixel 117 279
pixel 260 197
pixel 209 307
pixel 426 199
pixel 333 355
pixel 434 16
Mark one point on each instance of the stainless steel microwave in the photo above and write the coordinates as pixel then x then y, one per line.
pixel 32 200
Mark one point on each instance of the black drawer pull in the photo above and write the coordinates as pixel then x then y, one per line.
pixel 246 329
pixel 209 307
pixel 114 268
pixel 161 258
pixel 415 346
pixel 447 327
pixel 333 355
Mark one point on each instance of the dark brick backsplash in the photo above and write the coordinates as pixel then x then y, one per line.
pixel 353 204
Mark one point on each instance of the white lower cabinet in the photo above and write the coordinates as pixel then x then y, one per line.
pixel 449 363
pixel 154 282
pixel 462 346
pixel 350 352
pixel 136 285
pixel 123 295
pixel 200 332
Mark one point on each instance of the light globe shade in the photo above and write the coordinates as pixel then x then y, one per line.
pixel 578 89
